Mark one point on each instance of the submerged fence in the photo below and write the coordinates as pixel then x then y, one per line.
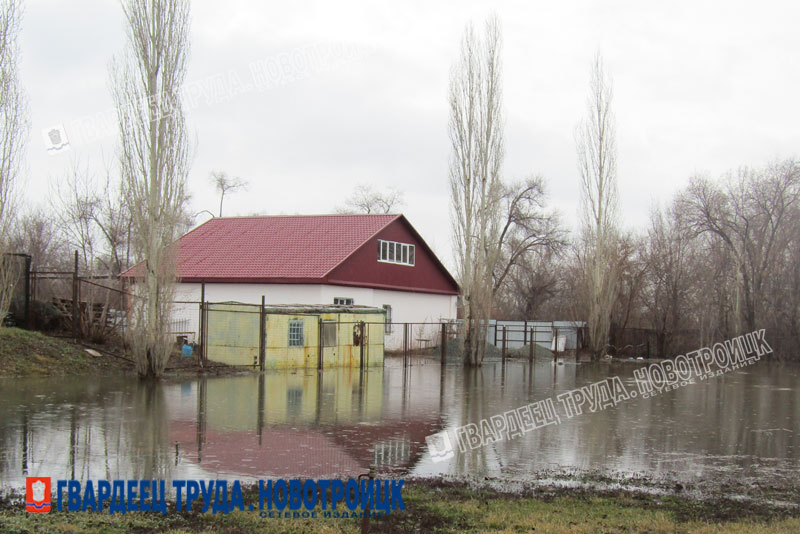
pixel 295 336
pixel 308 336
pixel 557 336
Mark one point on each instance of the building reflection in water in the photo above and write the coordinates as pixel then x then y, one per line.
pixel 341 422
pixel 338 422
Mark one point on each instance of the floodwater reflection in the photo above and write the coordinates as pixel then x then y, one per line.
pixel 341 422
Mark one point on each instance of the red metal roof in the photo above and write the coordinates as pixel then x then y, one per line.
pixel 279 248
pixel 301 249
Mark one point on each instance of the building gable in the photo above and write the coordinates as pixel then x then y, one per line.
pixel 363 267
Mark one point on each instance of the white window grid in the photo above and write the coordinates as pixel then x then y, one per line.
pixel 394 252
pixel 296 333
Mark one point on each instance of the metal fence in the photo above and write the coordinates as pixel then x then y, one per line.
pixel 290 336
pixel 85 306
pixel 568 335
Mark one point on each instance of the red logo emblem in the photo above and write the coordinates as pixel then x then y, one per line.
pixel 37 494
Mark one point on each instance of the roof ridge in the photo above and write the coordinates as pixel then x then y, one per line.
pixel 302 216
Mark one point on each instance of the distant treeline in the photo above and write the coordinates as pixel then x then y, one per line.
pixel 721 258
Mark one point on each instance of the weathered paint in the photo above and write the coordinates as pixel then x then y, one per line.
pixel 280 355
pixel 231 340
pixel 233 331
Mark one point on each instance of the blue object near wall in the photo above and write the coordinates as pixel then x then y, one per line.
pixel 187 350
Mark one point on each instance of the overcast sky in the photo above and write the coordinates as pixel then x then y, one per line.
pixel 305 100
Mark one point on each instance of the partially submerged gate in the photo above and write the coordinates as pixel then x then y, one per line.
pixel 232 333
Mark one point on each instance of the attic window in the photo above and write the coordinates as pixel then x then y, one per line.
pixel 394 252
pixel 342 301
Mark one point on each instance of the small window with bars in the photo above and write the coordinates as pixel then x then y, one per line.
pixel 296 333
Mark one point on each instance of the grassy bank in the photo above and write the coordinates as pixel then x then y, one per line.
pixel 31 354
pixel 25 353
pixel 450 508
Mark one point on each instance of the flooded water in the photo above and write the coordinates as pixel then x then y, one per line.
pixel 745 423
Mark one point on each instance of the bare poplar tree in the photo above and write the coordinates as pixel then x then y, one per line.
pixel 13 128
pixel 365 199
pixel 225 184
pixel 476 189
pixel 154 159
pixel 597 162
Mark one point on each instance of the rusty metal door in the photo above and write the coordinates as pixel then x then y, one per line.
pixel 330 344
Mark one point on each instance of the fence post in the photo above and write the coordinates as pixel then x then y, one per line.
pixel 75 324
pixel 201 327
pixel 405 344
pixel 554 332
pixel 530 347
pixel 28 260
pixel 503 351
pixel 262 349
pixel 199 339
pixel 320 349
pixel 363 342
pixel 444 343
pixel 204 339
pixel 260 420
pixel 525 333
pixel 556 345
pixel 495 333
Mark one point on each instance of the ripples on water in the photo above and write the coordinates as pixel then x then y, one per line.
pixel 744 424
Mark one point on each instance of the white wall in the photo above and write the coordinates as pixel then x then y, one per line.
pixel 406 306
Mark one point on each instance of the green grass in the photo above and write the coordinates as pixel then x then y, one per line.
pixel 25 353
pixel 445 509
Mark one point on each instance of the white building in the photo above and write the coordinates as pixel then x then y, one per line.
pixel 369 260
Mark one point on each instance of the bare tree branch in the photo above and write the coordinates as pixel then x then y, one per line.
pixel 225 183
pixel 365 199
